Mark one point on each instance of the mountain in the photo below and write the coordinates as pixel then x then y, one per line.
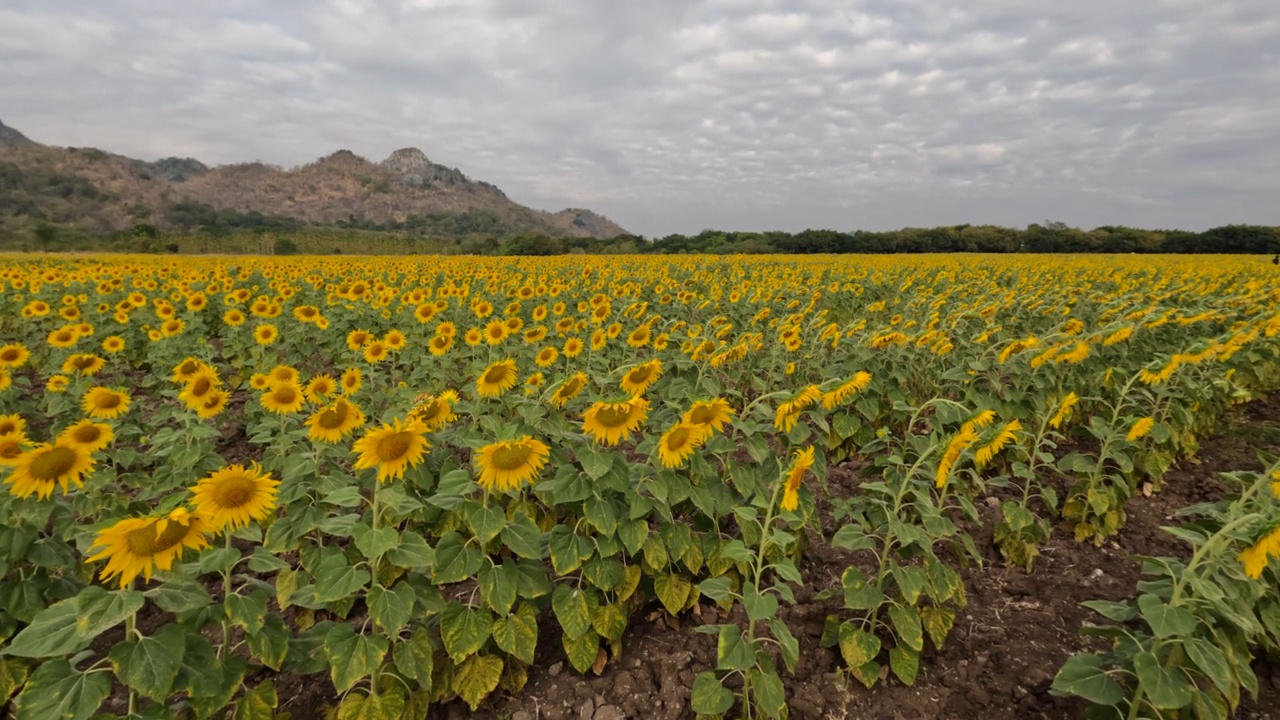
pixel 100 192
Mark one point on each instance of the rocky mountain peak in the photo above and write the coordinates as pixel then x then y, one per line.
pixel 412 167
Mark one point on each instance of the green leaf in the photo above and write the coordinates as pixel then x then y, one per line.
pixel 336 579
pixel 1117 611
pixel 858 647
pixel 262 561
pixel 464 629
pixel 53 632
pixel 937 623
pixel 594 462
pixel 708 696
pixel 248 612
pixel 413 552
pixel 633 533
pixel 375 543
pixel 851 537
pixel 391 609
pixel 415 657
pixel 905 663
pixel 498 585
pixel 1166 689
pixel 200 673
pixel 56 690
pixel 485 522
pixel 455 561
pixel 386 705
pixel 610 621
pixel 906 625
pixel 270 644
pixel 352 657
pixel 347 497
pixel 1211 661
pixel 523 537
pixel 581 650
pixel 910 581
pixel 758 605
pixel 601 514
pixel 101 610
pixel 1084 676
pixel 787 643
pixel 770 694
pixel 858 593
pixel 673 590
pixel 475 678
pixel 180 597
pixel 717 588
pixel 258 703
pixel 563 546
pixel 1166 620
pixel 517 634
pixel 733 652
pixel 150 665
pixel 572 609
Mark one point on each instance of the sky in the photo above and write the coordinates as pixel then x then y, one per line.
pixel 681 115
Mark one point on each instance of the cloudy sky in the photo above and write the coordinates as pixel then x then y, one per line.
pixel 679 115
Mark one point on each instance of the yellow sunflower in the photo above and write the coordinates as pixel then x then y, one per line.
pixel 38 470
pixel 351 381
pixel 546 356
pixel 473 337
pixel 87 435
pixel 259 381
pixel 392 448
pixel 105 404
pixel 283 398
pixel 440 344
pixel 213 403
pixel 641 377
pixel 568 390
pixel 57 383
pixel 14 355
pixel 203 384
pixel 320 387
pixel 795 475
pixel 234 495
pixel 609 423
pixel 508 465
pixel 572 347
pixel 375 352
pixel 12 425
pixel 394 340
pixel 497 378
pixel 11 448
pixel 495 332
pixel 283 374
pixel 332 423
pixel 435 411
pixel 711 414
pixel 265 334
pixel 186 371
pixel 139 546
pixel 679 442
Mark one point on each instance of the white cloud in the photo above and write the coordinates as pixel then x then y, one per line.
pixel 675 116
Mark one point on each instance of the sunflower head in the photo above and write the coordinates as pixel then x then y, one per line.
pixel 334 422
pixel 641 377
pixel 392 448
pixel 38 470
pixel 12 425
pixel 104 403
pixel 284 398
pixel 678 443
pixel 351 381
pixel 88 435
pixel 568 389
pixel 140 546
pixel 609 423
pixel 508 465
pixel 711 414
pixel 234 495
pixel 497 378
pixel 11 448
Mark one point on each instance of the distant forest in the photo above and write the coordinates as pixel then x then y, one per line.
pixel 212 231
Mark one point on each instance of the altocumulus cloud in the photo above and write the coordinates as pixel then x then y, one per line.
pixel 674 116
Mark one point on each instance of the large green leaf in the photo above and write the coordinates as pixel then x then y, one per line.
pixel 905 664
pixel 673 590
pixel 352 656
pixel 498 585
pixel 1167 689
pixel 858 647
pixel 391 609
pixel 374 543
pixel 1210 660
pixel 572 609
pixel 337 579
pixel 858 593
pixel 610 621
pixel 258 703
pixel 53 632
pixel 485 522
pixel 937 623
pixel 906 625
pixel 150 664
pixel 56 690
pixel 386 705
pixel 413 552
pixel 517 634
pixel 1084 676
pixel 464 630
pixel 708 696
pixel 733 651
pixel 270 645
pixel 523 537
pixel 415 657
pixel 247 611
pixel 581 650
pixel 1166 620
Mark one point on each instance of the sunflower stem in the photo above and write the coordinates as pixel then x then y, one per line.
pixel 226 593
pixel 130 629
pixel 376 485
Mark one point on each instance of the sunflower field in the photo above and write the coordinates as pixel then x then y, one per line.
pixel 414 478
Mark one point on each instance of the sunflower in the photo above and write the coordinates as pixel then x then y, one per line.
pixel 233 317
pixel 495 332
pixel 508 465
pixel 12 425
pixel 63 337
pixel 392 448
pixel 351 381
pixel 609 423
pixel 639 337
pixel 105 404
pixel 38 470
pixel 334 422
pixel 440 344
pixel 435 411
pixel 6 380
pixel 265 334
pixel 473 337
pixel 546 356
pixel 198 388
pixel 14 355
pixel 283 398
pixel 642 377
pixel 789 412
pixel 795 475
pixel 841 394
pixel 186 371
pixel 1007 434
pixel 711 414
pixel 213 403
pixel 1064 410
pixel 320 387
pixel 234 495
pixel 447 329
pixel 306 313
pixel 113 344
pixel 282 374
pixel 57 383
pixel 572 347
pixel 259 381
pixel 87 435
pixel 11 448
pixel 679 442
pixel 139 546
pixel 497 378
pixel 394 340
pixel 1140 429
pixel 375 352
pixel 568 390
pixel 173 327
